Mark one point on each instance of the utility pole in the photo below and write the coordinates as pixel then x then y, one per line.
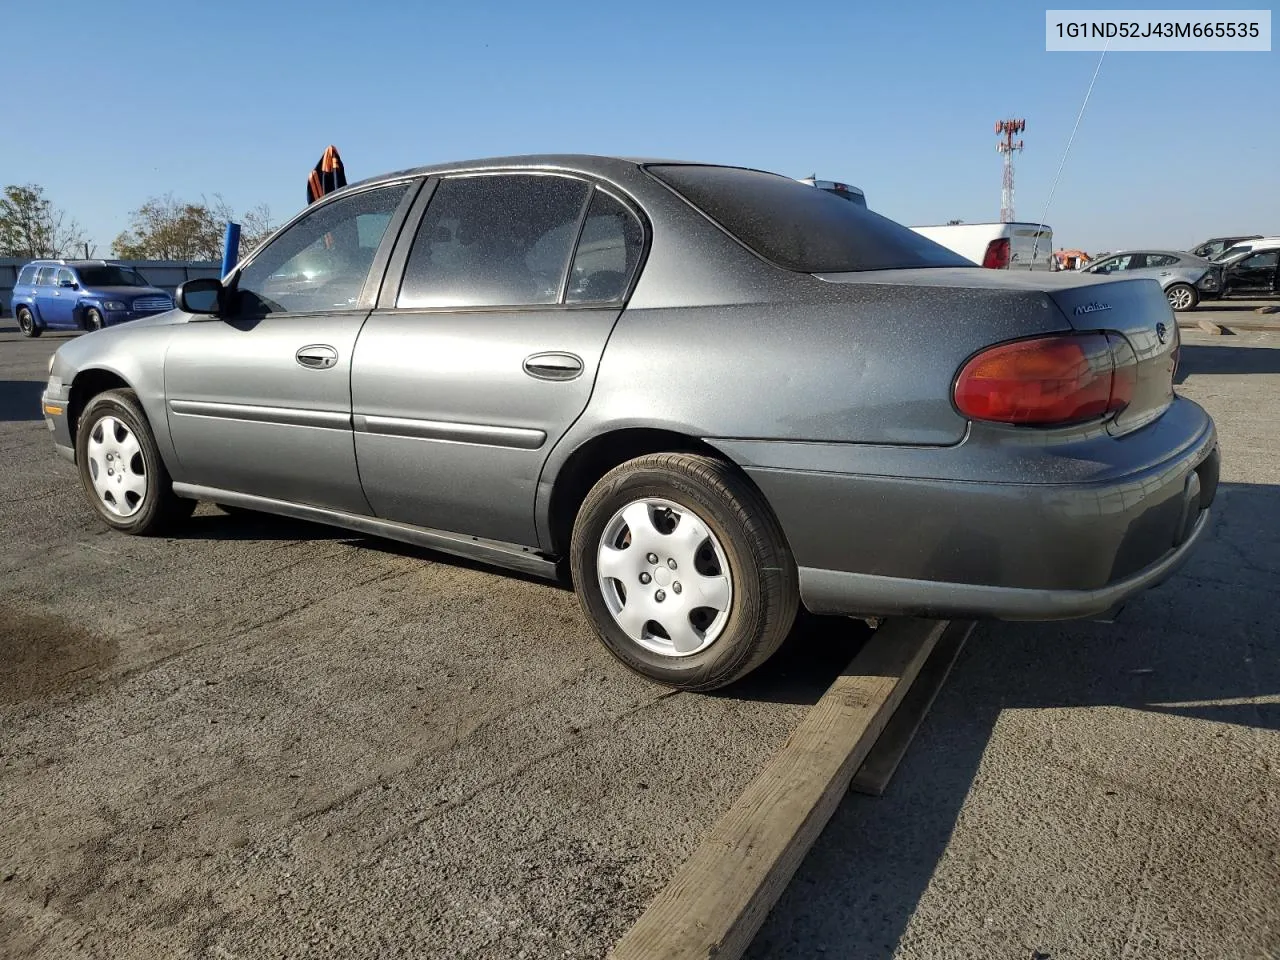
pixel 1005 129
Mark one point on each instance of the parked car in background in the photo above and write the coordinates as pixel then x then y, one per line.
pixel 710 394
pixel 999 246
pixel 1185 279
pixel 1211 248
pixel 82 295
pixel 1252 272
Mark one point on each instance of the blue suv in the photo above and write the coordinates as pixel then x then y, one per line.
pixel 82 295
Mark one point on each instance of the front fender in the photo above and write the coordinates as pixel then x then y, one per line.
pixel 134 355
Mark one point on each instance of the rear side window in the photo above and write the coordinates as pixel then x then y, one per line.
pixel 494 240
pixel 44 277
pixel 608 251
pixel 27 277
pixel 799 228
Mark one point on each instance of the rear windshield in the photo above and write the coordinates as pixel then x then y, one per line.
pixel 800 228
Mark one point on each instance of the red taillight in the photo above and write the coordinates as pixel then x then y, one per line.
pixel 1048 380
pixel 997 255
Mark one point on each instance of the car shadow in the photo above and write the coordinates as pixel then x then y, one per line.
pixel 1204 360
pixel 20 400
pixel 217 524
pixel 1202 646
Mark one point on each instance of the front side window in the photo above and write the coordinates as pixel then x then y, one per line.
pixel 320 263
pixel 64 276
pixel 791 224
pixel 488 241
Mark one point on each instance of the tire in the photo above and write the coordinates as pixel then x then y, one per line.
pixel 730 530
pixel 1182 296
pixel 121 468
pixel 27 323
pixel 93 320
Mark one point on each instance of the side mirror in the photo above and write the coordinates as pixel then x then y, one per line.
pixel 68 283
pixel 201 295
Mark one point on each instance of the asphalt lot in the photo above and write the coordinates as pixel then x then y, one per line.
pixel 269 739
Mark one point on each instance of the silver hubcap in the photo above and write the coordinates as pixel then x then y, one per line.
pixel 116 467
pixel 1180 299
pixel 664 577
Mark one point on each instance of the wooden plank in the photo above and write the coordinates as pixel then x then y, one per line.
pixel 882 762
pixel 717 900
pixel 1208 326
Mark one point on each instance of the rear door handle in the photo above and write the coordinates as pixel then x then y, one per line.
pixel 553 366
pixel 317 356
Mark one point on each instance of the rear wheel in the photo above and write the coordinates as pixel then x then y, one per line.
pixel 1182 296
pixel 683 570
pixel 27 323
pixel 120 467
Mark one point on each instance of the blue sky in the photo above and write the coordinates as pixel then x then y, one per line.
pixel 899 98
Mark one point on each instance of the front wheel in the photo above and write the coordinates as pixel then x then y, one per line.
pixel 121 469
pixel 1182 296
pixel 27 323
pixel 93 320
pixel 683 570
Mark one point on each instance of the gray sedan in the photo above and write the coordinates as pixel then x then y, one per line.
pixel 1185 278
pixel 707 395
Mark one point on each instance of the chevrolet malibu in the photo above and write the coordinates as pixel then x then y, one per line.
pixel 707 395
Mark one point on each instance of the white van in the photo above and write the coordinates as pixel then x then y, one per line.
pixel 1000 246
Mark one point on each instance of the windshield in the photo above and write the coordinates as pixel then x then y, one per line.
pixel 110 276
pixel 799 228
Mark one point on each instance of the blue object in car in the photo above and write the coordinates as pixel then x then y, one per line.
pixel 82 295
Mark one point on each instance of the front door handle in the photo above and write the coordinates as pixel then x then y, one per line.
pixel 317 356
pixel 553 366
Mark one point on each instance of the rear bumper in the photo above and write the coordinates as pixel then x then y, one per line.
pixel 1012 531
pixel 834 591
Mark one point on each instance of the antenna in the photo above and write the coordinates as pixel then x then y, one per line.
pixel 1005 129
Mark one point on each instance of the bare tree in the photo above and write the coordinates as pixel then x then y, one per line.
pixel 255 227
pixel 165 228
pixel 31 226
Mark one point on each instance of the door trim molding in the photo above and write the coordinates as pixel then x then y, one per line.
pixel 283 416
pixel 519 438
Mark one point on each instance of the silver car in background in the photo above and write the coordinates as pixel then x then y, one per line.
pixel 1185 278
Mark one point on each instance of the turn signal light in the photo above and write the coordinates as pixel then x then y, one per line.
pixel 1048 381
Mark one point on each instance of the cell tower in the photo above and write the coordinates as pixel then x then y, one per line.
pixel 1005 129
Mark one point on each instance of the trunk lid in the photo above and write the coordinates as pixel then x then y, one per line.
pixel 1138 311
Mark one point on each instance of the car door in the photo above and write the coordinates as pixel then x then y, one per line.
pixel 1254 274
pixel 485 345
pixel 259 398
pixel 46 303
pixel 63 296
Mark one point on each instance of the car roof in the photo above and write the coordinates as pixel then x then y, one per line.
pixel 72 263
pixel 599 164
pixel 1130 252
